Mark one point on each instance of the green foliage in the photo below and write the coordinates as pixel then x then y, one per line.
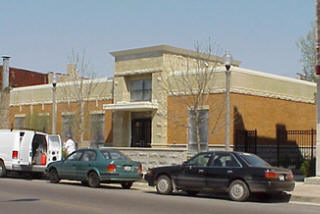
pixel 308 167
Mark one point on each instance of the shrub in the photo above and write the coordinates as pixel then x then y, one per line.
pixel 308 167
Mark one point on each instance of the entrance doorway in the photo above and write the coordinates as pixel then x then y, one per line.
pixel 141 132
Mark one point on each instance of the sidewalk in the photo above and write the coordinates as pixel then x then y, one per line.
pixel 309 193
pixel 306 193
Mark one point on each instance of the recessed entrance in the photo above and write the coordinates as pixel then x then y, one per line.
pixel 141 132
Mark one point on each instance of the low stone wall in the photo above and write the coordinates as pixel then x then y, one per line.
pixel 154 157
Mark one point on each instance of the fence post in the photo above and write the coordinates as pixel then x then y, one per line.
pixel 255 141
pixel 246 141
pixel 312 132
pixel 278 148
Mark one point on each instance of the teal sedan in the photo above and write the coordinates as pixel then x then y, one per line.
pixel 95 166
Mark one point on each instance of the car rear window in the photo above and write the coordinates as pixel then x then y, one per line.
pixel 114 155
pixel 254 161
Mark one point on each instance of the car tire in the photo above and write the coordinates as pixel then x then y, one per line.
pixel 164 185
pixel 239 191
pixel 191 192
pixel 126 185
pixel 93 180
pixel 3 170
pixel 53 176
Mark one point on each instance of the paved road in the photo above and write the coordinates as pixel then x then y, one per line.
pixel 39 196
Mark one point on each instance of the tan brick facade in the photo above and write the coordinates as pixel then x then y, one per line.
pixel 247 112
pixel 259 101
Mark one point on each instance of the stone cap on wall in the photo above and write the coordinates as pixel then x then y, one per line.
pixel 153 51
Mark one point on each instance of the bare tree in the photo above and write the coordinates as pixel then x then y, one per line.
pixel 193 79
pixel 80 89
pixel 306 46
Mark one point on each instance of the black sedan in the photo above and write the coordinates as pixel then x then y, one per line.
pixel 237 173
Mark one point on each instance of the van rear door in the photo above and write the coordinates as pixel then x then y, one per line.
pixel 54 148
pixel 25 153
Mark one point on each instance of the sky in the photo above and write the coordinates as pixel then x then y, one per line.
pixel 40 35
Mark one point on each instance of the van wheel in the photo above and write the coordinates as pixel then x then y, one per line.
pixel 3 171
pixel 239 191
pixel 164 185
pixel 53 176
pixel 93 180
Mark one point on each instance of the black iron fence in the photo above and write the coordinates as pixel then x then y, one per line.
pixel 246 141
pixel 290 147
pixel 295 145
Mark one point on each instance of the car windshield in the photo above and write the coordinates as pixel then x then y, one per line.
pixel 114 155
pixel 254 161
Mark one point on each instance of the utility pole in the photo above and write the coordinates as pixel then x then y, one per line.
pixel 317 70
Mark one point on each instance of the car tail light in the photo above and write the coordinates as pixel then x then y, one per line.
pixel 14 154
pixel 140 169
pixel 111 168
pixel 290 176
pixel 149 172
pixel 271 175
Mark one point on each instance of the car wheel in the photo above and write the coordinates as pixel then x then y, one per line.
pixel 53 176
pixel 191 192
pixel 239 191
pixel 3 171
pixel 93 180
pixel 126 185
pixel 164 185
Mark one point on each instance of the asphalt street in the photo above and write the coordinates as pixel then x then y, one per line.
pixel 39 196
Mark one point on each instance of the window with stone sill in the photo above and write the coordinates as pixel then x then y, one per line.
pixel 20 122
pixel 203 121
pixel 140 90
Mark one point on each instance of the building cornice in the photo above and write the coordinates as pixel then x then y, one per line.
pixel 162 49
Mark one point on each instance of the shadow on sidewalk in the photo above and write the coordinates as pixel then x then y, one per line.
pixel 256 198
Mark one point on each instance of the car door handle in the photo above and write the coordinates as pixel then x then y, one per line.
pixel 89 165
pixel 73 165
pixel 229 171
pixel 201 170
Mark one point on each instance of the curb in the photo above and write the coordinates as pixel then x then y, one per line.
pixel 299 198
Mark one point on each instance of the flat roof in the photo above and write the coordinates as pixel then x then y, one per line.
pixel 172 50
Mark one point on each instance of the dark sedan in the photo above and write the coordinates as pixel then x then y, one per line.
pixel 95 166
pixel 237 173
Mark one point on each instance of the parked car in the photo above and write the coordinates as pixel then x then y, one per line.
pixel 94 166
pixel 237 173
pixel 28 151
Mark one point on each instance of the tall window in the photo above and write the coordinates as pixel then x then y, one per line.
pixel 203 123
pixel 19 122
pixel 97 128
pixel 140 90
pixel 43 121
pixel 67 124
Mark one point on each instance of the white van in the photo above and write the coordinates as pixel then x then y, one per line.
pixel 28 151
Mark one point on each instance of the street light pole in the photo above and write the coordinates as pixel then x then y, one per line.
pixel 227 58
pixel 54 84
pixel 317 70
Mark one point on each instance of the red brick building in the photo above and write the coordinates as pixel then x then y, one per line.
pixel 21 77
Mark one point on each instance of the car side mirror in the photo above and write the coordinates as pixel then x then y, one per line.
pixel 185 163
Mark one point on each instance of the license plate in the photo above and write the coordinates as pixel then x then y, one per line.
pixel 127 168
pixel 281 177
